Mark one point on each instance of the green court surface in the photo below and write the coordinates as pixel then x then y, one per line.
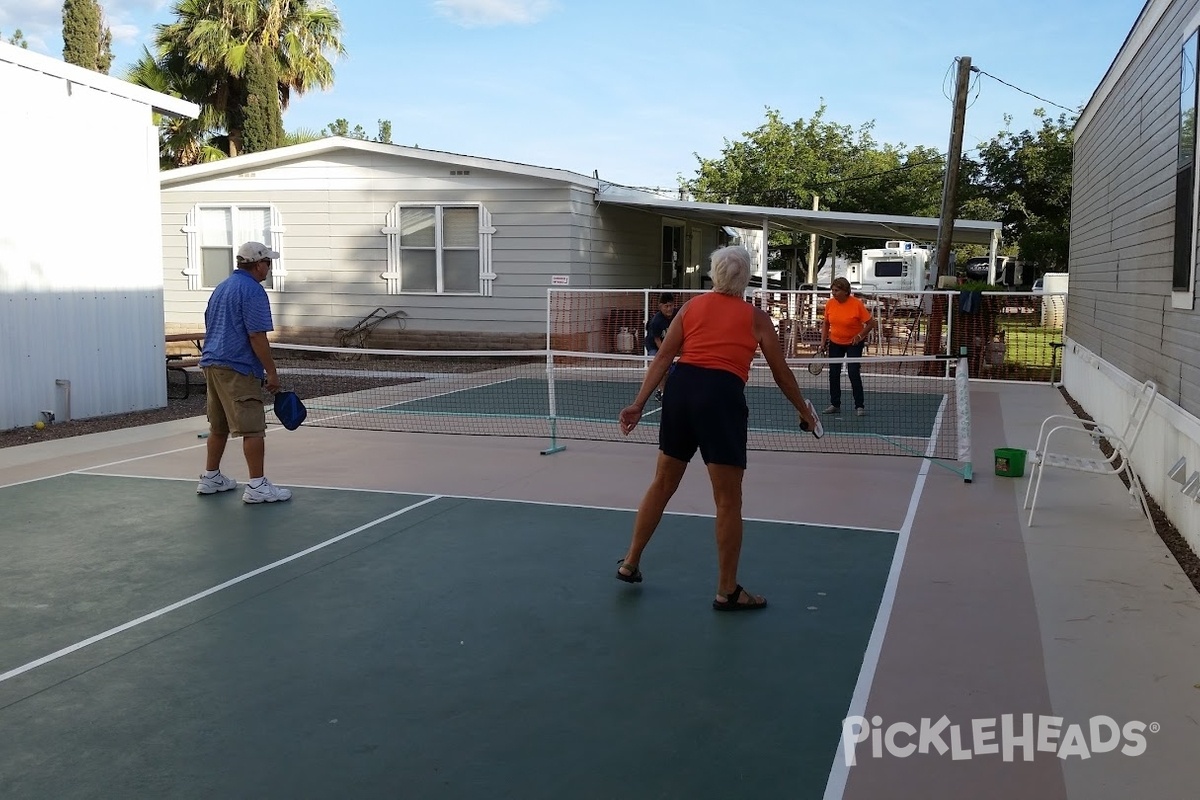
pixel 462 648
pixel 892 414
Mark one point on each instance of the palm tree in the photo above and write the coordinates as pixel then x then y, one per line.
pixel 182 142
pixel 213 36
pixel 299 136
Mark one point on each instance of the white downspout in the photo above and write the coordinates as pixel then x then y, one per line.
pixel 995 245
pixel 762 260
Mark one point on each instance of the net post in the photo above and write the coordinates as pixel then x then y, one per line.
pixel 554 447
pixel 962 387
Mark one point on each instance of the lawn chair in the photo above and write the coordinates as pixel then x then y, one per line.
pixel 1117 464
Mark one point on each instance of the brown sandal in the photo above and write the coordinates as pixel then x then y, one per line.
pixel 731 601
pixel 634 577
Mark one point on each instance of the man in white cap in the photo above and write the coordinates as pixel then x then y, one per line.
pixel 236 361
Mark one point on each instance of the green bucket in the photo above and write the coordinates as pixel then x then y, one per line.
pixel 1010 462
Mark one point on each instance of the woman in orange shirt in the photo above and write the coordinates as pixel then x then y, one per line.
pixel 704 408
pixel 847 323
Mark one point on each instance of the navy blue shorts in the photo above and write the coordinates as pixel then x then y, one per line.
pixel 704 409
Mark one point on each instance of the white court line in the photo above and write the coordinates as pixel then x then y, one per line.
pixel 83 470
pixel 12 673
pixel 623 509
pixel 839 773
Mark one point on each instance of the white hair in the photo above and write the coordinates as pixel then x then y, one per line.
pixel 730 270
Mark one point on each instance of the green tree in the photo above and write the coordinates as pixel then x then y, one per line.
pixel 785 165
pixel 259 116
pixel 81 33
pixel 299 136
pixel 341 127
pixel 87 40
pixel 1026 177
pixel 214 36
pixel 182 141
pixel 18 39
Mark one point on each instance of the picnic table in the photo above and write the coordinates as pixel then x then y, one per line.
pixel 181 362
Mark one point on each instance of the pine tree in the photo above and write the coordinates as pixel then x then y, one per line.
pixel 262 119
pixel 18 39
pixel 81 33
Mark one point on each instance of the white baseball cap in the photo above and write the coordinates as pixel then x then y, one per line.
pixel 255 251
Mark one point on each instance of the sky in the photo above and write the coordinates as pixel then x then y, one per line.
pixel 635 90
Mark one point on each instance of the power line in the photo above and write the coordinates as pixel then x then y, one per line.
pixel 941 159
pixel 1022 91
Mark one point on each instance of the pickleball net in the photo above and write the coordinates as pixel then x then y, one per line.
pixel 915 405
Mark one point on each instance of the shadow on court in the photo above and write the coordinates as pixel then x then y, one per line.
pixel 450 648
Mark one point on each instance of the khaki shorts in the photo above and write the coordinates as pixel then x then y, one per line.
pixel 235 404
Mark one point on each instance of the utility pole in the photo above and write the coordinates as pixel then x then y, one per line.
pixel 953 158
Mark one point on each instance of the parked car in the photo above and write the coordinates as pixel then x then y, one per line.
pixel 1009 271
pixel 977 268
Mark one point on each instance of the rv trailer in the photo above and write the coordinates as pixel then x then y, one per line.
pixel 897 267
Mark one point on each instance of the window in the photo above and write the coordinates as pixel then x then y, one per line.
pixel 1185 177
pixel 216 231
pixel 889 269
pixel 439 249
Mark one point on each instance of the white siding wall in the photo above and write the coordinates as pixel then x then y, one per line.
pixel 1170 432
pixel 334 206
pixel 1122 327
pixel 80 251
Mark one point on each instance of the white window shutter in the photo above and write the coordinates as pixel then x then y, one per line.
pixel 392 231
pixel 192 269
pixel 486 275
pixel 278 269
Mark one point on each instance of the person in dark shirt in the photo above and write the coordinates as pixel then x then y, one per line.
pixel 656 331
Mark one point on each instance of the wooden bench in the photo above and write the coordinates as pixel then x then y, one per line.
pixel 180 362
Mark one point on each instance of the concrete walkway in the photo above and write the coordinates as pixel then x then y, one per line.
pixel 1084 615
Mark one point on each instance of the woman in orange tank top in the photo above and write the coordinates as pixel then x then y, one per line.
pixel 704 408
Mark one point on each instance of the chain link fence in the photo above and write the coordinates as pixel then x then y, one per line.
pixel 1014 336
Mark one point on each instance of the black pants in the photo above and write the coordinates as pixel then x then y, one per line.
pixel 853 370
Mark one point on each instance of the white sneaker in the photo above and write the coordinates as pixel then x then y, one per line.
pixel 860 411
pixel 832 410
pixel 266 493
pixel 217 483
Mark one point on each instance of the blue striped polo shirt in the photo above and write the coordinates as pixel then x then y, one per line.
pixel 238 307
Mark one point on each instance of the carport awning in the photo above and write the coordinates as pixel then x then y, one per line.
pixel 831 224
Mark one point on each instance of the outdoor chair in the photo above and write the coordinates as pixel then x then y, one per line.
pixel 1058 426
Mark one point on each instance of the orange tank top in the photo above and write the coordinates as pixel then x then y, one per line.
pixel 718 333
